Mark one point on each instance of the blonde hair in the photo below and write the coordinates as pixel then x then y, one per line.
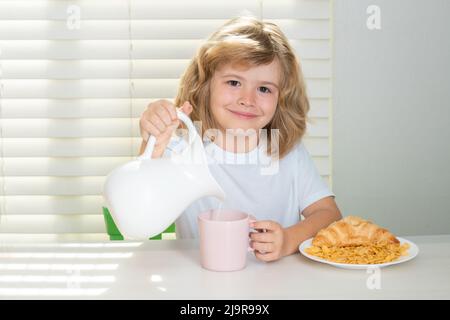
pixel 249 41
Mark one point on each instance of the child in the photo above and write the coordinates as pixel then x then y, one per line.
pixel 246 77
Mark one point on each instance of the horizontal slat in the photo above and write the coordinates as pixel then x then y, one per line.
pixel 142 49
pixel 70 147
pixel 110 29
pixel 53 186
pixel 112 88
pixel 78 186
pixel 122 69
pixel 75 128
pixel 52 224
pixel 318 128
pixel 312 49
pixel 102 147
pixel 303 29
pixel 35 205
pixel 317 147
pixel 318 88
pixel 145 29
pixel 76 167
pixel 120 9
pixel 313 69
pixel 168 9
pixel 319 108
pixel 66 128
pixel 74 108
pixel 102 108
pixel 296 9
pixel 61 167
pixel 94 69
pixel 117 88
pixel 109 49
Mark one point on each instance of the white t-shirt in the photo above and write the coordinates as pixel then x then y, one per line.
pixel 255 184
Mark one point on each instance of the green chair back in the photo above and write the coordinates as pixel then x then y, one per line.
pixel 114 233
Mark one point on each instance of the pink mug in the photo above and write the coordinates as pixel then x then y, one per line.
pixel 224 239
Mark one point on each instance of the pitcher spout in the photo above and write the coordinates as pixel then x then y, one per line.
pixel 219 194
pixel 215 190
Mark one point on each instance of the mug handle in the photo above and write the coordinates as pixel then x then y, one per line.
pixel 151 140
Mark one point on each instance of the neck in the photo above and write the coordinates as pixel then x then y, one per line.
pixel 237 143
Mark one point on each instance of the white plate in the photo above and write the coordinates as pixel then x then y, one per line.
pixel 412 252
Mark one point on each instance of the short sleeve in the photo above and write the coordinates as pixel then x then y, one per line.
pixel 311 186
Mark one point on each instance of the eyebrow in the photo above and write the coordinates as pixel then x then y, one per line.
pixel 239 77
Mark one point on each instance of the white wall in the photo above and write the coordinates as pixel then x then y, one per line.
pixel 391 114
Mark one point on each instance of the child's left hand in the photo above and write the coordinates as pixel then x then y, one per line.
pixel 268 243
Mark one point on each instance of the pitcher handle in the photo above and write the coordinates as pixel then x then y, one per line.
pixel 151 140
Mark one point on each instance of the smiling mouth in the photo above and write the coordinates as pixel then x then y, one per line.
pixel 243 115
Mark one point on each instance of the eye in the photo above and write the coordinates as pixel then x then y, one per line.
pixel 267 90
pixel 233 83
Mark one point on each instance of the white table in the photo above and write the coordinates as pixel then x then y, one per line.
pixel 170 269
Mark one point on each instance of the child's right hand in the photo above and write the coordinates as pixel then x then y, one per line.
pixel 160 120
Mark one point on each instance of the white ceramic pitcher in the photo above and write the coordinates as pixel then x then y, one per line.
pixel 145 196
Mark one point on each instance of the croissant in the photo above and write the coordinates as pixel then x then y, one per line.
pixel 353 231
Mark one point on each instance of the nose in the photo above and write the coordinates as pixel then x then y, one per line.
pixel 247 98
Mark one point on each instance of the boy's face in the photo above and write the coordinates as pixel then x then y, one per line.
pixel 243 97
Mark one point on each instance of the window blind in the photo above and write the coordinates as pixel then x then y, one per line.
pixel 75 77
